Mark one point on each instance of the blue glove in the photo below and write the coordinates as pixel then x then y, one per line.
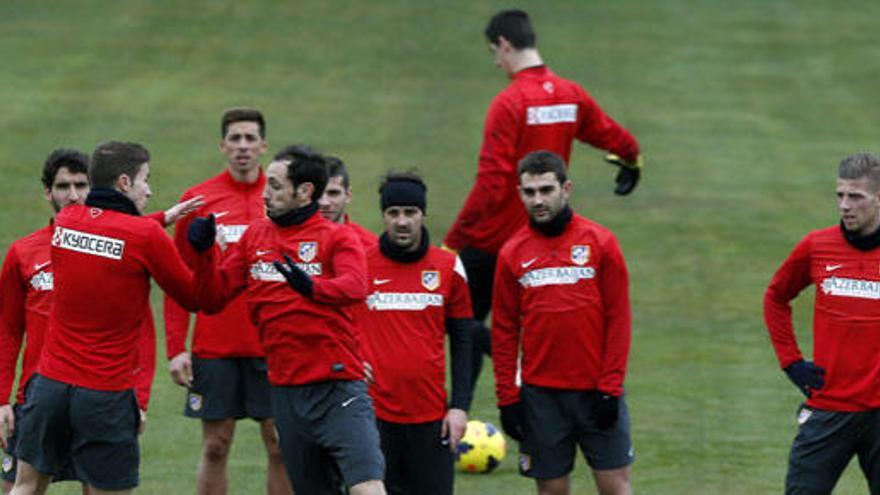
pixel 511 420
pixel 202 233
pixel 296 278
pixel 806 375
pixel 628 176
pixel 606 409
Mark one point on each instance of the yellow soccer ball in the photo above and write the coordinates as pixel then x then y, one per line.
pixel 481 449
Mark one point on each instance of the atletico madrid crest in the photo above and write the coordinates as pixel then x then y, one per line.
pixel 431 279
pixel 308 251
pixel 195 401
pixel 580 254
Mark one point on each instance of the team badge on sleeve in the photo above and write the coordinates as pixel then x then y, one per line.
pixel 580 254
pixel 430 279
pixel 195 401
pixel 308 251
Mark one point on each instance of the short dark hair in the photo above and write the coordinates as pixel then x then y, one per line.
pixel 515 26
pixel 306 165
pixel 115 158
pixel 861 165
pixel 242 114
pixel 75 161
pixel 336 168
pixel 541 162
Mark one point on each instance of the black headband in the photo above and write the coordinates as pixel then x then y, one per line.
pixel 403 192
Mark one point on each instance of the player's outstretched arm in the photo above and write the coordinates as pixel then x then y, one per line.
pixel 182 209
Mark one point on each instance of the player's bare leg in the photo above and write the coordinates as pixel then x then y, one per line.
pixel 216 441
pixel 87 489
pixel 613 481
pixel 554 486
pixel 277 482
pixel 372 487
pixel 29 481
pixel 7 487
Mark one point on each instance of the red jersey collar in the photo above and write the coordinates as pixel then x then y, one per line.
pixel 259 183
pixel 533 71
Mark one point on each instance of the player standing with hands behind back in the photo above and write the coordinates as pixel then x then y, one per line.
pixel 537 111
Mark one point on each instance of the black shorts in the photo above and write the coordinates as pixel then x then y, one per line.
pixel 328 435
pixel 9 464
pixel 825 443
pixel 226 388
pixel 417 461
pixel 95 430
pixel 556 421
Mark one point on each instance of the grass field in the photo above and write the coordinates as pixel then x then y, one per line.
pixel 743 110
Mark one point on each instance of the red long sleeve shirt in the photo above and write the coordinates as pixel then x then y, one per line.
pixel 26 284
pixel 366 237
pixel 563 303
pixel 102 262
pixel 403 327
pixel 846 318
pixel 537 111
pixel 229 333
pixel 306 339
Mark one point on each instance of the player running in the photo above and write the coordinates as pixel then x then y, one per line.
pixel 537 111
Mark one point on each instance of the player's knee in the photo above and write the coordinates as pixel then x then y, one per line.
pixel 372 487
pixel 216 448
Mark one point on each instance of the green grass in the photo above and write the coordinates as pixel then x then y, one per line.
pixel 743 110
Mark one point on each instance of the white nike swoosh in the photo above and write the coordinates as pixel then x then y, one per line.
pixel 41 265
pixel 349 401
pixel 381 281
pixel 263 253
pixel 526 264
pixel 218 215
pixel 831 268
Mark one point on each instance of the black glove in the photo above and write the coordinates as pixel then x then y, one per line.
pixel 605 410
pixel 628 175
pixel 806 375
pixel 512 419
pixel 202 233
pixel 296 278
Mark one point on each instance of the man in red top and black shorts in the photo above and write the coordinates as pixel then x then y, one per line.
pixel 841 417
pixel 26 288
pixel 80 404
pixel 418 295
pixel 561 309
pixel 226 373
pixel 537 111
pixel 301 276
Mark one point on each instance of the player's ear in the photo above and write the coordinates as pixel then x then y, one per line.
pixel 123 182
pixel 566 187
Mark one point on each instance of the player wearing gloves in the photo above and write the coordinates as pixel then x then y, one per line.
pixel 537 111
pixel 418 295
pixel 841 416
pixel 301 276
pixel 561 306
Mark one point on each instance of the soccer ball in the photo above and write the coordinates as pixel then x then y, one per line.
pixel 481 448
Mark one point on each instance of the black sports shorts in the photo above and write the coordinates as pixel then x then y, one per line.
pixel 555 421
pixel 95 430
pixel 226 388
pixel 328 435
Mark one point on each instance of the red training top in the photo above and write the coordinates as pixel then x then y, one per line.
pixel 846 318
pixel 403 327
pixel 306 340
pixel 566 298
pixel 537 111
pixel 229 333
pixel 102 261
pixel 26 284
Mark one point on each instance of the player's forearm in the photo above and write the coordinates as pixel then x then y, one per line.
pixel 460 332
pixel 777 317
